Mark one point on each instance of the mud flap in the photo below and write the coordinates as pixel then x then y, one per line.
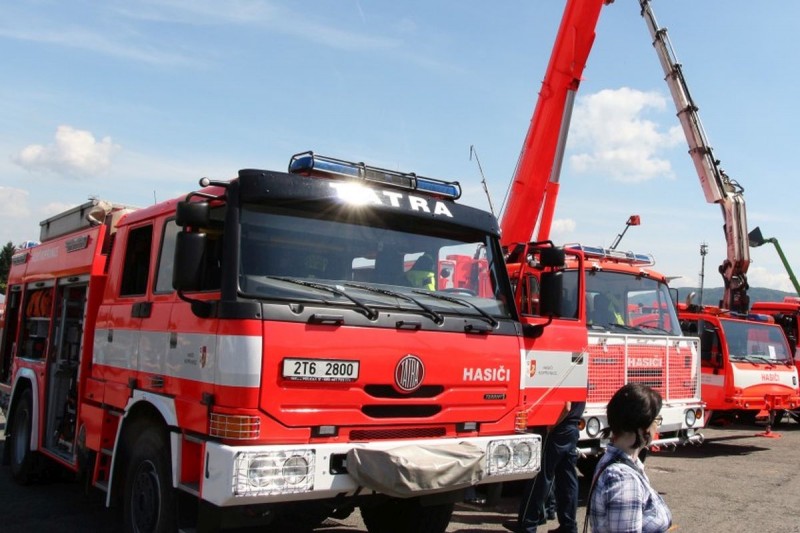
pixel 408 471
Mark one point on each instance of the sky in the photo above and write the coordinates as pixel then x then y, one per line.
pixel 134 101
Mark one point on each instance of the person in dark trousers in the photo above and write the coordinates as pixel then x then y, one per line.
pixel 558 474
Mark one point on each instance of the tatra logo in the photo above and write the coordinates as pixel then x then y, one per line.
pixel 361 195
pixel 408 373
pixel 532 368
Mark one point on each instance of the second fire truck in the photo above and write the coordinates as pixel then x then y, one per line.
pixel 639 338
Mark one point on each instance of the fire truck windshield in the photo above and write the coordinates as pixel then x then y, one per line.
pixel 755 341
pixel 623 302
pixel 286 255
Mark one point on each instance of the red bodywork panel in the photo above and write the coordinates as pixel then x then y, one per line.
pixel 534 176
pixel 734 385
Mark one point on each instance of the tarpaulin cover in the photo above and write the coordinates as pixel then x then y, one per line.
pixel 413 470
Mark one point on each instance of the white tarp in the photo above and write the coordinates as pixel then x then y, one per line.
pixel 408 471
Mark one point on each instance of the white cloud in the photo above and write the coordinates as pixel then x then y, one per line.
pixel 562 229
pixel 610 136
pixel 13 202
pixel 762 277
pixel 74 152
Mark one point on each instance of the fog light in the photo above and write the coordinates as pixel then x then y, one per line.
pixel 593 427
pixel 690 417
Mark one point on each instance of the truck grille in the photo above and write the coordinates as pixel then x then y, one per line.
pixel 401 411
pixel 387 391
pixel 667 364
pixel 403 433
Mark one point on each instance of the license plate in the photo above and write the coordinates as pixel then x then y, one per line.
pixel 320 370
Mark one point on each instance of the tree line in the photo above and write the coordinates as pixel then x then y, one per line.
pixel 5 264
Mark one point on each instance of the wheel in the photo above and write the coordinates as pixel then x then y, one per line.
pixel 396 515
pixel 150 500
pixel 24 463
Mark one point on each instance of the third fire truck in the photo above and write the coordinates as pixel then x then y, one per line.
pixel 746 366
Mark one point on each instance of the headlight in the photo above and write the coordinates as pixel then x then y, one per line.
pixel 514 456
pixel 522 454
pixel 690 417
pixel 268 473
pixel 593 427
pixel 502 456
pixel 295 469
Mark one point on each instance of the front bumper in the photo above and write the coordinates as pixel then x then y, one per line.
pixel 245 475
pixel 681 425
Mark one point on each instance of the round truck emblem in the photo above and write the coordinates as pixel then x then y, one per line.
pixel 408 373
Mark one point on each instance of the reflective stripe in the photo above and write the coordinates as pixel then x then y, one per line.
pixel 232 360
pixel 546 369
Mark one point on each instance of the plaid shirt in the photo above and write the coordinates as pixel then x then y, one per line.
pixel 623 500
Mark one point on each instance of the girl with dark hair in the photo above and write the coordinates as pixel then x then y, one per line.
pixel 621 498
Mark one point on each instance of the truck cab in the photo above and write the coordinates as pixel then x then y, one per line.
pixel 746 362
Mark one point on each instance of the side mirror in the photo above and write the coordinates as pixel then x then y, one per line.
pixel 550 291
pixel 552 257
pixel 190 249
pixel 193 214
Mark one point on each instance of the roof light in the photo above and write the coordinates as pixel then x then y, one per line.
pixel 616 255
pixel 311 164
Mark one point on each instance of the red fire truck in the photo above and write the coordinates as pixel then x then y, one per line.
pixel 640 340
pixel 254 351
pixel 747 363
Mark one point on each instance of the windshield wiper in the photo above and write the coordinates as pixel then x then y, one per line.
pixel 761 358
pixel 489 318
pixel 613 325
pixel 654 328
pixel 371 313
pixel 435 316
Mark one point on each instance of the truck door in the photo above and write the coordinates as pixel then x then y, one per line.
pixel 8 346
pixel 63 365
pixel 118 332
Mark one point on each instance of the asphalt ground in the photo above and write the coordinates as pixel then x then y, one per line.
pixel 737 480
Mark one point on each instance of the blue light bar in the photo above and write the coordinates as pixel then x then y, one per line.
pixel 311 164
pixel 616 255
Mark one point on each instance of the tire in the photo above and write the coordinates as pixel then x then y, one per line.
pixel 149 504
pixel 778 417
pixel 24 462
pixel 396 515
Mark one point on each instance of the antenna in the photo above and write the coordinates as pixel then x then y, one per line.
pixel 483 178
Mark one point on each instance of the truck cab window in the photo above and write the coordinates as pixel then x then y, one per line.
pixel 137 262
pixel 166 257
